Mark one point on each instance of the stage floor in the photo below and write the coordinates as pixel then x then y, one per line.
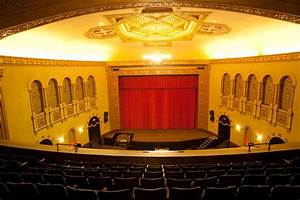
pixel 164 135
pixel 168 135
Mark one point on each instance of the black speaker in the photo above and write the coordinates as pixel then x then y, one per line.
pixel 212 116
pixel 105 117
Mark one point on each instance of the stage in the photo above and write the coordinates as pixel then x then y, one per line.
pixel 153 139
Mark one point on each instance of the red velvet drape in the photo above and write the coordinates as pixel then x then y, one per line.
pixel 158 102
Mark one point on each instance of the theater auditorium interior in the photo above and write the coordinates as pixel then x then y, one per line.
pixel 149 99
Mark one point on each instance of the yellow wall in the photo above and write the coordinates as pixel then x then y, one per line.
pixel 15 84
pixel 277 70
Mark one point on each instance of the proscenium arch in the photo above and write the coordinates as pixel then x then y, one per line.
pixel 65 10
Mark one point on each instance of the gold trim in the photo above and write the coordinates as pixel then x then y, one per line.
pixel 34 61
pixel 242 9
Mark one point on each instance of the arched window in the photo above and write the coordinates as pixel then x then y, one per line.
pixel 286 93
pixel 238 86
pixel 268 89
pixel 37 97
pixel 252 89
pixel 90 87
pixel 66 91
pixel 79 89
pixel 226 84
pixel 52 94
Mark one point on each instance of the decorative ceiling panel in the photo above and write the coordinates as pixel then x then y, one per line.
pixel 158 28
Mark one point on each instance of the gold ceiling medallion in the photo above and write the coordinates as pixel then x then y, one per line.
pixel 157 28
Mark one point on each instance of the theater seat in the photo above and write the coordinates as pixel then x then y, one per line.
pixel 150 194
pixel 156 174
pixel 10 177
pixel 250 192
pixel 54 179
pixel 254 179
pixel 77 181
pixel 180 183
pixel 126 183
pixel 174 174
pixel 22 191
pixel 32 177
pixel 51 191
pixel 280 192
pixel 152 182
pixel 230 180
pixel 195 174
pixel 185 193
pixel 115 195
pixel 278 179
pixel 4 193
pixel 295 180
pixel 206 182
pixel 80 194
pixel 98 183
pixel 214 193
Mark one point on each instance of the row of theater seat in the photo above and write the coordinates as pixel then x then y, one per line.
pixel 17 191
pixel 130 182
pixel 156 174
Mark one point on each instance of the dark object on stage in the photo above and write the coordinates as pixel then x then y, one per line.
pixel 105 118
pixel 212 116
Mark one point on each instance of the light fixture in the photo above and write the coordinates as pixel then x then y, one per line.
pixel 259 137
pixel 101 23
pixel 61 139
pixel 80 129
pixel 157 57
pixel 238 127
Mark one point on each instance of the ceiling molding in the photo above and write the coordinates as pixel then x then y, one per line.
pixel 47 62
pixel 69 63
pixel 37 19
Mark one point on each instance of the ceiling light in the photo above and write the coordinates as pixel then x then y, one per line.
pixel 157 57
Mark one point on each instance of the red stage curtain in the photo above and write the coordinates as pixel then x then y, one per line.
pixel 158 102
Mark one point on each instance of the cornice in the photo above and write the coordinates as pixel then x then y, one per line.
pixel 47 62
pixel 242 9
pixel 111 64
pixel 268 58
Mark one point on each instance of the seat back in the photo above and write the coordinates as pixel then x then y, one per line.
pixel 213 193
pixel 180 183
pixel 150 194
pixel 115 195
pixel 152 182
pixel 51 191
pixel 285 192
pixel 185 193
pixel 250 192
pixel 22 191
pixel 79 194
pixel 126 183
pixel 206 182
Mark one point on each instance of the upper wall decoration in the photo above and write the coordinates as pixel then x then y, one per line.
pixel 157 26
pixel 263 99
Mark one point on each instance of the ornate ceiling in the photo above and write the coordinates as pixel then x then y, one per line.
pixel 105 33
pixel 20 15
pixel 157 28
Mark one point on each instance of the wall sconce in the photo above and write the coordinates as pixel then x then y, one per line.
pixel 61 139
pixel 259 137
pixel 238 127
pixel 80 129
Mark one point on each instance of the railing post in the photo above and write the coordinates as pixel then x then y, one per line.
pixel 57 148
pixel 269 146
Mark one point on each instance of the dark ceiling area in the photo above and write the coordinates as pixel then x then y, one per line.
pixel 15 12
